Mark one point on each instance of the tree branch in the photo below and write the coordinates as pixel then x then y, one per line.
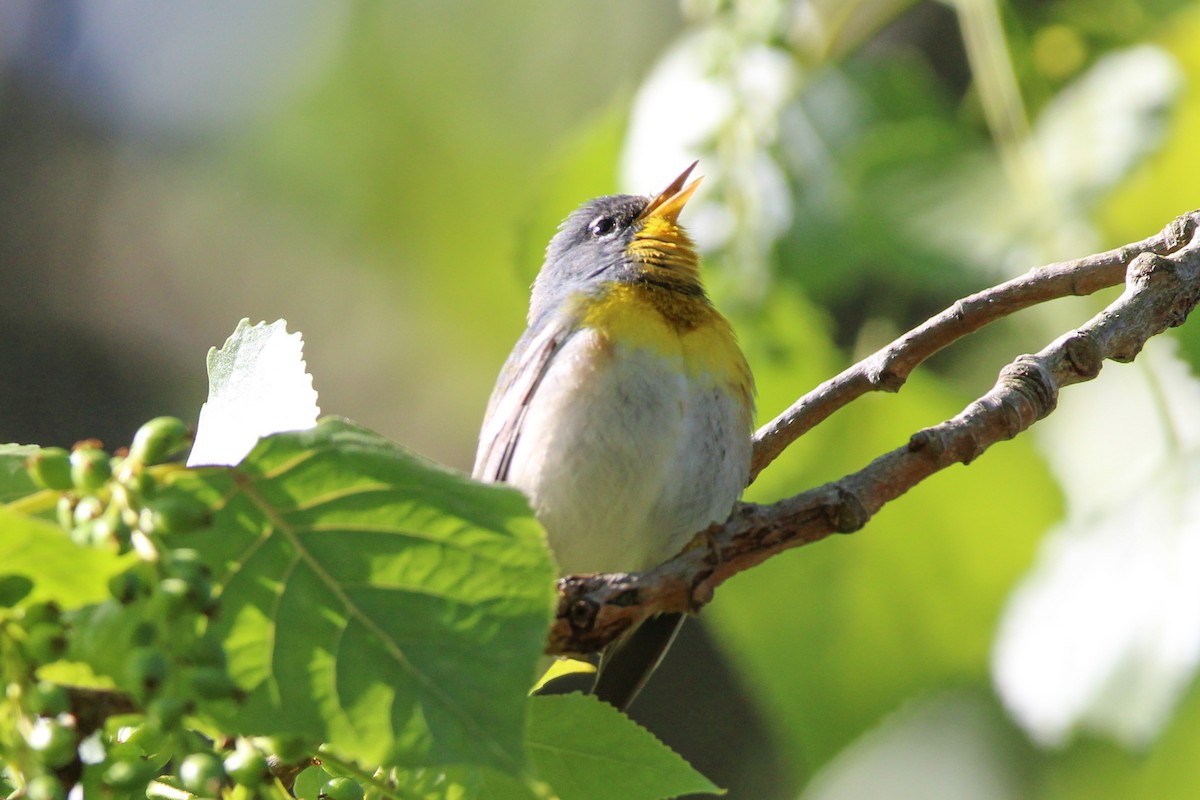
pixel 1162 286
pixel 887 370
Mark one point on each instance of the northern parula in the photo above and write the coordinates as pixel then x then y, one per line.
pixel 624 412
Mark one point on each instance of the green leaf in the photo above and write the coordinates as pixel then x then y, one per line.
pixel 14 589
pixel 587 750
pixel 14 479
pixel 61 571
pixel 374 601
pixel 466 783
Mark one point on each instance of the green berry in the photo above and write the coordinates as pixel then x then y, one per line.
pixel 182 595
pixel 101 534
pixel 48 611
pixel 247 767
pixel 81 534
pixel 159 439
pixel 125 775
pixel 90 469
pixel 185 563
pixel 127 586
pixel 114 527
pixel 146 668
pixel 45 787
pixel 48 699
pixel 212 683
pixel 87 509
pixel 145 738
pixel 65 512
pixel 143 634
pixel 45 642
pixel 172 515
pixel 202 774
pixel 206 651
pixel 288 749
pixel 139 481
pixel 175 594
pixel 168 711
pixel 341 789
pixel 53 741
pixel 50 468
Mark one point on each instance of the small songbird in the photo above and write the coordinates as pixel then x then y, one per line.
pixel 624 412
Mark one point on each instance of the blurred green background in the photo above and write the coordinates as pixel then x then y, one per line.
pixel 385 176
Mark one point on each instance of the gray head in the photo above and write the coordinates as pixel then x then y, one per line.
pixel 589 249
pixel 619 238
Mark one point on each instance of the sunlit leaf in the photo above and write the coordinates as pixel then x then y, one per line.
pixel 258 385
pixel 587 750
pixel 14 479
pixel 374 601
pixel 61 570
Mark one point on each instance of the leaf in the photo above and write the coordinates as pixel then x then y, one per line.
pixel 60 570
pixel 14 589
pixel 374 601
pixel 587 750
pixel 14 479
pixel 258 385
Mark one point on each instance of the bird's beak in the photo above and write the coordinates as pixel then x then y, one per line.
pixel 670 201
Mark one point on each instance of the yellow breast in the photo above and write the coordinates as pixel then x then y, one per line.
pixel 672 322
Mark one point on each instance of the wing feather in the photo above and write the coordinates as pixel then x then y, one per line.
pixel 515 388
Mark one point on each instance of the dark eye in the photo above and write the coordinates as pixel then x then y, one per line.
pixel 602 226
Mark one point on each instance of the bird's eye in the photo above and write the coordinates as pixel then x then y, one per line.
pixel 602 226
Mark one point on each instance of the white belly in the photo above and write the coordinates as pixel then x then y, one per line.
pixel 637 460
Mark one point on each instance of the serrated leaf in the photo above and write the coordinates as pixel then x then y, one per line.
pixel 14 479
pixel 587 750
pixel 258 385
pixel 61 570
pixel 374 601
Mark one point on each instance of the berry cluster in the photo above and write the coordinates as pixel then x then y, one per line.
pixel 148 720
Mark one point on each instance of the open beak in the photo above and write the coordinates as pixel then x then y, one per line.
pixel 670 201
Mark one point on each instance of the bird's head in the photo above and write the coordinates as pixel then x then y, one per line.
pixel 621 238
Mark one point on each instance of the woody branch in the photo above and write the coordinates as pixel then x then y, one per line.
pixel 1162 286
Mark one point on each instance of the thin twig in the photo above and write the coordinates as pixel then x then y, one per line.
pixel 887 369
pixel 1162 286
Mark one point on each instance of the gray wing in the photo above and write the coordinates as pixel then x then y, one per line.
pixel 518 381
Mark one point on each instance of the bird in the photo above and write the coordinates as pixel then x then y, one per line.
pixel 624 412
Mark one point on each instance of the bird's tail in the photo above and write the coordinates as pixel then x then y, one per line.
pixel 627 663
